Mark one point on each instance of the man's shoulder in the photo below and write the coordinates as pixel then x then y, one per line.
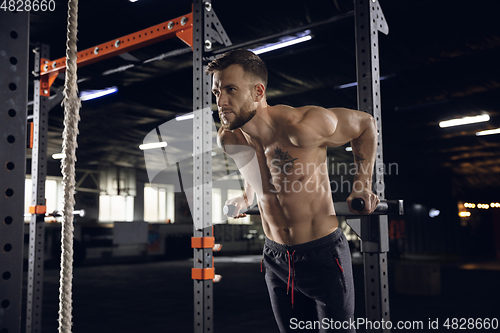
pixel 296 115
pixel 289 114
pixel 315 123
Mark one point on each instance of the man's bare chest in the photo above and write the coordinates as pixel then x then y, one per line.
pixel 285 161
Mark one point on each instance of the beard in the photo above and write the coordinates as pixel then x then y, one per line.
pixel 241 118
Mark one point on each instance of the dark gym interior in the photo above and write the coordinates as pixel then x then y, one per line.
pixel 132 246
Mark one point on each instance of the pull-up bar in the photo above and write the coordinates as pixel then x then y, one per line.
pixel 385 207
pixel 180 27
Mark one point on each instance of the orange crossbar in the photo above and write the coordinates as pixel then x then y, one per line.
pixel 202 242
pixel 202 273
pixel 38 209
pixel 181 27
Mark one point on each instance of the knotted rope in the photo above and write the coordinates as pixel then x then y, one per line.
pixel 72 106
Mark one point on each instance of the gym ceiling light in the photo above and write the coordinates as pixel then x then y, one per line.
pixel 489 132
pixel 92 94
pixel 152 145
pixel 464 121
pixel 284 42
pixel 186 116
pixel 58 156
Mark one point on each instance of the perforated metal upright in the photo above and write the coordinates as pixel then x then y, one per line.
pixel 207 30
pixel 14 37
pixel 369 20
pixel 202 173
pixel 41 107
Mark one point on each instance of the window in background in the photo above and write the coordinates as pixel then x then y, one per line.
pixel 217 216
pixel 159 203
pixel 53 194
pixel 116 208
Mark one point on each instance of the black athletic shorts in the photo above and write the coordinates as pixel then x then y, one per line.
pixel 311 285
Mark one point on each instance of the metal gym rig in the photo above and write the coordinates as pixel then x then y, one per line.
pixel 200 29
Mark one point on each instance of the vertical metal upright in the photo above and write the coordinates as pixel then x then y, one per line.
pixel 207 30
pixel 41 107
pixel 202 171
pixel 14 43
pixel 369 20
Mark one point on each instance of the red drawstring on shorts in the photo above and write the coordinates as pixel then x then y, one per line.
pixel 339 265
pixel 291 273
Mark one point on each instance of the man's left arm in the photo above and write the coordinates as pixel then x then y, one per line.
pixel 364 149
pixel 339 126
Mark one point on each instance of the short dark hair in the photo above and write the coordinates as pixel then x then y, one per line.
pixel 252 64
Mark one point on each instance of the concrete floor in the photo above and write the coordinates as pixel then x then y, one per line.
pixel 158 297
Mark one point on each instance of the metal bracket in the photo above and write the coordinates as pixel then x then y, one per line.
pixel 372 230
pixel 355 225
pixel 380 20
pixel 214 31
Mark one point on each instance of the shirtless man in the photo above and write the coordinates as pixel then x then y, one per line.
pixel 306 255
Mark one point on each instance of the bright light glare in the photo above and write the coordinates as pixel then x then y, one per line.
pixel 489 132
pixel 152 145
pixel 354 84
pixel 92 94
pixel 464 214
pixel 464 121
pixel 188 116
pixel 347 85
pixel 348 148
pixel 58 156
pixel 279 45
pixel 434 212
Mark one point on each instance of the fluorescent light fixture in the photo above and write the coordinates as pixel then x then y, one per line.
pixel 287 41
pixel 354 84
pixel 186 116
pixel 348 148
pixel 119 69
pixel 133 0
pixel 489 132
pixel 152 145
pixel 464 121
pixel 58 156
pixel 347 85
pixel 92 94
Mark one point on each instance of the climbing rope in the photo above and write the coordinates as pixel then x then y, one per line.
pixel 72 106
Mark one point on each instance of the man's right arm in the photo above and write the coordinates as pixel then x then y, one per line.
pixel 248 193
pixel 242 202
pixel 224 139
